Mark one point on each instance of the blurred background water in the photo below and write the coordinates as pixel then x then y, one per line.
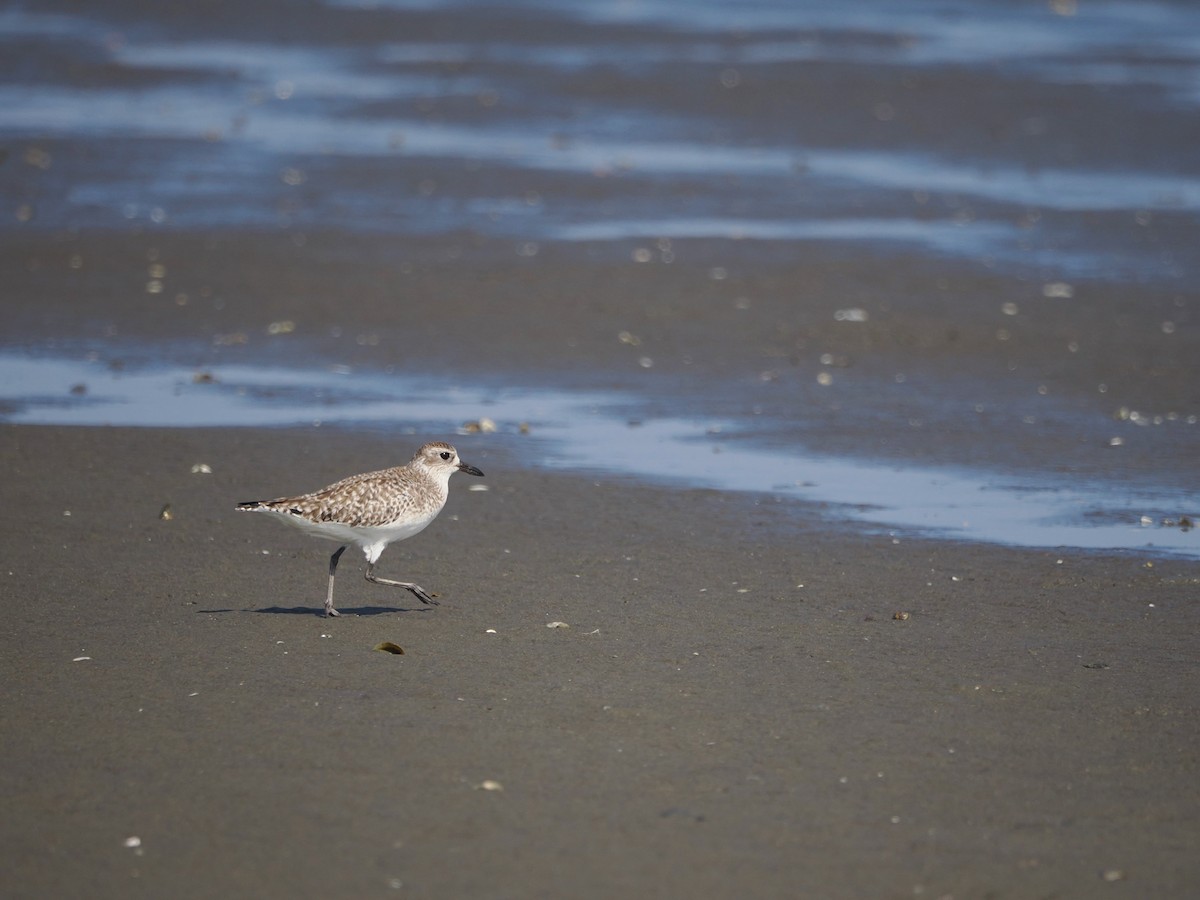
pixel 1044 135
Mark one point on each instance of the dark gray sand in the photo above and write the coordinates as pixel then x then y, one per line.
pixel 732 711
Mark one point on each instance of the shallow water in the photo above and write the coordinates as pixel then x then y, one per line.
pixel 614 434
pixel 973 130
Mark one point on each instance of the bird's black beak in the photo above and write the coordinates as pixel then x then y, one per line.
pixel 469 470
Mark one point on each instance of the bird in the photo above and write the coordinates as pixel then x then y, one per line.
pixel 373 509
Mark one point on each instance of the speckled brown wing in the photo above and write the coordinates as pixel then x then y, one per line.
pixel 362 501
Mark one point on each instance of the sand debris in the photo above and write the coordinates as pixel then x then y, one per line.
pixel 851 314
pixel 483 425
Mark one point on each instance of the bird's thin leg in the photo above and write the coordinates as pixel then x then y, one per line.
pixel 333 561
pixel 418 591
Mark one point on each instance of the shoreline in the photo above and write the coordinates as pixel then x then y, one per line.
pixel 624 434
pixel 924 378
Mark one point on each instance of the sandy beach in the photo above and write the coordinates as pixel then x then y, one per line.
pixel 915 239
pixel 733 709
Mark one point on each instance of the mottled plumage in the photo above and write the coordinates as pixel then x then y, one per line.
pixel 374 509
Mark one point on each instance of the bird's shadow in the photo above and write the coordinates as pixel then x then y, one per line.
pixel 320 611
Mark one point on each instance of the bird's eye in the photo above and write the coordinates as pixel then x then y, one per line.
pixel 445 455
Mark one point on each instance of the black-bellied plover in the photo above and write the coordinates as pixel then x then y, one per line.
pixel 374 509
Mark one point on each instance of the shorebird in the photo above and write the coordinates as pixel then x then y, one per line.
pixel 373 509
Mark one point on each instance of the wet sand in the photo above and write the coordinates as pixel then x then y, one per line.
pixel 953 364
pixel 733 709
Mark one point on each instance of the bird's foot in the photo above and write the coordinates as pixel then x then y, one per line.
pixel 425 598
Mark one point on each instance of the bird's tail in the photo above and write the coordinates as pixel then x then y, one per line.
pixel 279 506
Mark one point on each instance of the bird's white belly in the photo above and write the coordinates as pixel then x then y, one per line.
pixel 363 535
